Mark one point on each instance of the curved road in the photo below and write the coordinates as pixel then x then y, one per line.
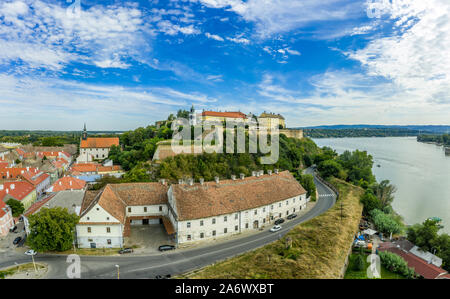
pixel 177 262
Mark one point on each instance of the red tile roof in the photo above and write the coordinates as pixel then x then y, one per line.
pixel 421 267
pixel 85 167
pixel 224 114
pixel 36 206
pixel 230 196
pixel 34 177
pixel 15 172
pixel 99 142
pixel 3 208
pixel 67 183
pixel 20 151
pixel 18 190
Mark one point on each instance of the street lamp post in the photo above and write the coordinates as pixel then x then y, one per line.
pixel 34 264
pixel 118 271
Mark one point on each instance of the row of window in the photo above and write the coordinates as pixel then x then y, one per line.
pixel 145 209
pixel 89 230
pixel 225 218
pixel 107 241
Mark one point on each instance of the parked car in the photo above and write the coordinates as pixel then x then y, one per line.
pixel 17 240
pixel 162 277
pixel 13 229
pixel 30 252
pixel 126 250
pixel 279 221
pixel 275 228
pixel 292 216
pixel 166 247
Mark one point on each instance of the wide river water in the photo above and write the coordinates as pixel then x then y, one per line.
pixel 420 171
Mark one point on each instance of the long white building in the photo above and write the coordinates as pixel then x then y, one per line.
pixel 189 212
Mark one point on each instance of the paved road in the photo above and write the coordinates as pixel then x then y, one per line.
pixel 179 261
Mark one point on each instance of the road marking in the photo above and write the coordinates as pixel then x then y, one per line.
pixel 325 195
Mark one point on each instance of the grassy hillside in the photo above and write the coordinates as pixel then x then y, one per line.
pixel 319 247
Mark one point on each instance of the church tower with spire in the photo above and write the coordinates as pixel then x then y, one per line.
pixel 84 136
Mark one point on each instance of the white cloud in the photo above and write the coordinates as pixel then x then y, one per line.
pixel 416 56
pixel 169 28
pixel 239 40
pixel 214 36
pixel 279 16
pixel 42 35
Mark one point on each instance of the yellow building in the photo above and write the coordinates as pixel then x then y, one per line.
pixel 271 120
pixel 18 190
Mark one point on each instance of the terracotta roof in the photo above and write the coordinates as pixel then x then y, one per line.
pixel 67 183
pixel 116 197
pixel 36 206
pixel 34 177
pixel 99 142
pixel 109 168
pixel 88 198
pixel 85 167
pixel 421 267
pixel 15 172
pixel 20 151
pixel 229 196
pixel 224 114
pixel 18 190
pixel 3 208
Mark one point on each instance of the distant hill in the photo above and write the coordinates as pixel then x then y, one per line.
pixel 433 129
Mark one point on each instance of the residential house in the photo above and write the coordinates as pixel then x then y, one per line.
pixel 189 212
pixel 3 152
pixel 6 219
pixel 426 268
pixel 39 179
pixel 67 183
pixel 95 148
pixel 19 190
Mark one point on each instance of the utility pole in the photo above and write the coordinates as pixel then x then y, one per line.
pixel 34 264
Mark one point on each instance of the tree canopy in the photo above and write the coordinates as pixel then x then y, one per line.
pixel 52 230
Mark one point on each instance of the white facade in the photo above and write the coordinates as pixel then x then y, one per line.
pixel 235 223
pixel 99 229
pixel 91 154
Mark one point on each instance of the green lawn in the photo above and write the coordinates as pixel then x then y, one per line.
pixel 353 274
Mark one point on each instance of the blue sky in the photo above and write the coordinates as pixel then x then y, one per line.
pixel 118 65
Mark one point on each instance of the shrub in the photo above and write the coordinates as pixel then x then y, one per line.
pixel 396 264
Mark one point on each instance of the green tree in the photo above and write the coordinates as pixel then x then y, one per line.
pixel 384 222
pixel 307 181
pixel 359 263
pixel 52 229
pixel 384 191
pixel 16 206
pixel 329 168
pixel 370 202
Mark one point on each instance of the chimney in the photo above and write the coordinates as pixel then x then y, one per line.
pixel 191 182
pixel 28 168
pixel 269 172
pixel 261 172
pixel 7 191
pixel 60 183
pixel 242 176
pixel 202 181
pixel 253 173
pixel 163 181
pixel 1 187
pixel 216 179
pixel 13 186
pixel 70 183
pixel 180 182
pixel 276 171
pixel 233 177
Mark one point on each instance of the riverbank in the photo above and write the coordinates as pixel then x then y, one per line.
pixel 420 172
pixel 317 248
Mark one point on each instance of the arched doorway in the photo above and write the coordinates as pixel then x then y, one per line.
pixel 255 224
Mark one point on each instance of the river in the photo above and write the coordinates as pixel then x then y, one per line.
pixel 420 171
